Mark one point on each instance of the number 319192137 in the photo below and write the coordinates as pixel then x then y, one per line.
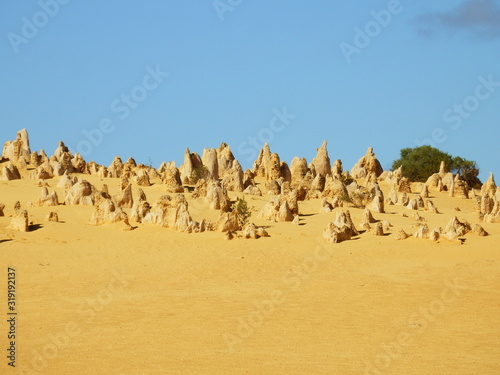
pixel 11 277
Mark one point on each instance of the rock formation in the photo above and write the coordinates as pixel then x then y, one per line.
pixel 422 232
pixel 192 168
pixel 261 165
pixel 321 162
pixel 140 208
pixel 106 212
pixel 435 234
pixel 280 208
pixel 367 165
pixel 273 169
pixel 403 185
pixel 378 204
pixel 228 221
pixel 253 190
pixel 430 207
pixel 425 192
pixel 378 230
pixel 20 221
pixel 19 149
pixel 128 168
pixel 273 188
pixel 447 181
pixel 412 204
pixel 325 206
pixel 367 217
pixel 9 172
pixel 434 182
pixel 47 199
pixel 209 160
pixel 284 212
pixel 79 164
pixel 217 197
pixel 393 196
pixel 318 184
pixel 459 188
pixel 233 178
pixel 52 216
pixel 489 186
pixel 479 230
pixel 224 158
pixel 455 225
pixel 65 182
pixel 80 193
pixel 142 178
pixel 172 213
pixel 404 200
pixel 335 188
pixel 298 170
pixel 402 235
pixel 443 169
pixel 172 179
pixel 250 230
pixel 337 168
pixel 124 198
pixel 200 190
pixel 115 170
pixel 338 230
pixel 350 223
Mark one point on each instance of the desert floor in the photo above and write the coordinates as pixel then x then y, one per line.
pixel 100 300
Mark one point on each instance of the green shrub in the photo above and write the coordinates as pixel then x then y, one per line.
pixel 198 174
pixel 420 163
pixel 244 212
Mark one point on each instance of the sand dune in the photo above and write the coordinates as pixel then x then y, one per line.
pixel 153 300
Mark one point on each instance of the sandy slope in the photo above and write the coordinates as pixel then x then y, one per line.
pixel 154 301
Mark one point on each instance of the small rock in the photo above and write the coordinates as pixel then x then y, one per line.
pixel 479 230
pixel 378 230
pixel 261 232
pixel 435 234
pixel 20 221
pixel 402 235
pixel 52 216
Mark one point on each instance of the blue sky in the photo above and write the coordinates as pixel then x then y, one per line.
pixel 147 79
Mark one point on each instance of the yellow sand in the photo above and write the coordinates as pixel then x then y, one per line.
pixel 155 301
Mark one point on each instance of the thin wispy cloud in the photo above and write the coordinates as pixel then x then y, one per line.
pixel 480 18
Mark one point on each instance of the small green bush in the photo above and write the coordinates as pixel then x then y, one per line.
pixel 420 163
pixel 244 212
pixel 198 174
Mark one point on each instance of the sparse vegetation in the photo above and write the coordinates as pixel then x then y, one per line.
pixel 357 198
pixel 244 212
pixel 198 174
pixel 345 198
pixel 420 163
pixel 468 170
